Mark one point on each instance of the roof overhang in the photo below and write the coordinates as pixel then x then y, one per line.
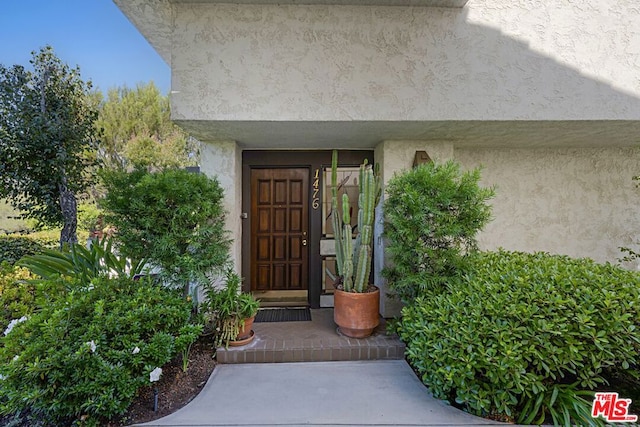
pixel 154 18
pixel 464 133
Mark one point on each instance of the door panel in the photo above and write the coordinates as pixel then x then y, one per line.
pixel 279 229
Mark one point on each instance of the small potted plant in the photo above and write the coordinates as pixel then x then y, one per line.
pixel 231 312
pixel 356 301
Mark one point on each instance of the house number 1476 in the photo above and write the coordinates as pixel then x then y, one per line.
pixel 315 203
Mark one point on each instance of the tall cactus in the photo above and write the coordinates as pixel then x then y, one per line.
pixel 346 243
pixel 335 218
pixel 354 261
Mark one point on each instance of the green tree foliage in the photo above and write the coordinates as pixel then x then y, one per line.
pixel 47 137
pixel 432 216
pixel 137 131
pixel 173 218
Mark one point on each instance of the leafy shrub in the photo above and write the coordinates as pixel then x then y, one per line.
pixel 173 218
pixel 432 215
pixel 17 296
pixel 518 325
pixel 13 247
pixel 88 352
pixel 225 308
pixel 50 239
pixel 88 216
pixel 77 261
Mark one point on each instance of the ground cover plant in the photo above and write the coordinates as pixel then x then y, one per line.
pixel 433 213
pixel 523 336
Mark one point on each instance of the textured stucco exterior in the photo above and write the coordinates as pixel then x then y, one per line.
pixel 545 95
pixel 561 61
pixel 334 63
pixel 580 202
pixel 223 160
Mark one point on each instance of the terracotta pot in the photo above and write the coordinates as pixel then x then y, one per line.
pixel 239 343
pixel 245 332
pixel 357 315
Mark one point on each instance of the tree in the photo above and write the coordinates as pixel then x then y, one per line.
pixel 174 219
pixel 47 140
pixel 137 131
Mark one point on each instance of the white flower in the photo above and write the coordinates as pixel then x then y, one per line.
pixel 155 375
pixel 13 323
pixel 2 377
pixel 16 357
pixel 136 350
pixel 92 346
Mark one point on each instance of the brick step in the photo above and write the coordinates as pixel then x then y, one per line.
pixel 314 341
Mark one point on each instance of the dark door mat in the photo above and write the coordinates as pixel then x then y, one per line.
pixel 283 315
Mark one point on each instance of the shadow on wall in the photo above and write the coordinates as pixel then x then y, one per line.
pixel 500 77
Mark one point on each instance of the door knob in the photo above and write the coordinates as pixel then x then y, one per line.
pixel 304 242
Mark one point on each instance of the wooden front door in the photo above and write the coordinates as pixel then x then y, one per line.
pixel 279 229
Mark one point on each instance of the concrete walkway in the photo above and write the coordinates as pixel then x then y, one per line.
pixel 360 393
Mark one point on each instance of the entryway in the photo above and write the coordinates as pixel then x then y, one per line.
pixel 287 237
pixel 312 341
pixel 279 230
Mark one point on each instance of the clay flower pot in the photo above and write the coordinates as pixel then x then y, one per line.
pixel 246 335
pixel 246 332
pixel 356 314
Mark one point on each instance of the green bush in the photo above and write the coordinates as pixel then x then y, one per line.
pixel 89 217
pixel 86 353
pixel 432 215
pixel 82 263
pixel 173 218
pixel 518 325
pixel 13 247
pixel 17 296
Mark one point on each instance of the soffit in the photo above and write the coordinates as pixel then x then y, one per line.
pixel 366 135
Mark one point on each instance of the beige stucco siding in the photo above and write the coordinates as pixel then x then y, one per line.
pixel 223 160
pixel 530 60
pixel 578 202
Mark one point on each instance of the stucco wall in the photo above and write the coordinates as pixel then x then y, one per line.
pixel 223 159
pixel 535 60
pixel 578 202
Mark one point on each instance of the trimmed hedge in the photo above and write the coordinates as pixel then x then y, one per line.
pixel 519 328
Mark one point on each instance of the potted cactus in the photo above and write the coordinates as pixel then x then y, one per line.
pixel 356 301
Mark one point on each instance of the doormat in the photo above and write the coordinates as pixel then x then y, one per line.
pixel 286 314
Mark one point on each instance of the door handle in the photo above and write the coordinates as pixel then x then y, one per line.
pixel 304 242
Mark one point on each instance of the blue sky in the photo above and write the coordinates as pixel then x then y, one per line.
pixel 92 34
